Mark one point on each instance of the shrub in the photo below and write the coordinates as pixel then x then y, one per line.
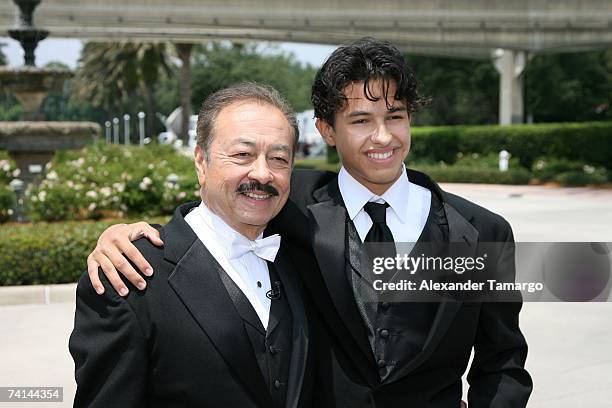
pixel 109 180
pixel 589 142
pixel 7 202
pixel 47 253
pixel 580 178
pixel 8 169
pixel 459 174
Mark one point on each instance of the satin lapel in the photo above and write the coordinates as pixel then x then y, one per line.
pixel 299 348
pixel 460 230
pixel 327 220
pixel 197 283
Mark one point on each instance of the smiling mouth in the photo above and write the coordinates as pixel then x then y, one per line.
pixel 256 196
pixel 381 156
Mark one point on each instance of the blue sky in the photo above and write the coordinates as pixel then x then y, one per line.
pixel 68 51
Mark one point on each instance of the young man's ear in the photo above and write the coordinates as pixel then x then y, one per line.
pixel 200 165
pixel 327 131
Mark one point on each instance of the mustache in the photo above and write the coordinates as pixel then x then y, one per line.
pixel 257 186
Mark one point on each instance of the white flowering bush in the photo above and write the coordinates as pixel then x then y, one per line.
pixel 8 171
pixel 113 181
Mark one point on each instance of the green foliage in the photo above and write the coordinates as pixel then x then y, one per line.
pixel 460 174
pixel 121 77
pixel 8 171
pixel 220 64
pixel 47 253
pixel 581 178
pixel 567 172
pixel 589 142
pixel 110 180
pixel 8 168
pixel 7 201
pixel 10 108
pixel 462 91
pixel 569 87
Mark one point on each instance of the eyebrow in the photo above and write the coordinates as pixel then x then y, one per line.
pixel 281 147
pixel 245 142
pixel 392 109
pixel 249 143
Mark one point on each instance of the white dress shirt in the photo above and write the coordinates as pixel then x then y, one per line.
pixel 249 272
pixel 408 208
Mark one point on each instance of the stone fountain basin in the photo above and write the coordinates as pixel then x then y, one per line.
pixel 46 136
pixel 33 144
pixel 30 79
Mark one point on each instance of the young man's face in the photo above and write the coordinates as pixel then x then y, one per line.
pixel 245 180
pixel 372 139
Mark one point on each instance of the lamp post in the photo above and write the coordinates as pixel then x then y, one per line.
pixel 107 126
pixel 116 130
pixel 126 129
pixel 141 127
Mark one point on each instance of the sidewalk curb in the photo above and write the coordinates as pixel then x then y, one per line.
pixel 37 294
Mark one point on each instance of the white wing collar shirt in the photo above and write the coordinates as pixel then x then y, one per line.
pixel 408 209
pixel 242 259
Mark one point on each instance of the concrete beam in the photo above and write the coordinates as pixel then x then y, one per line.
pixel 535 25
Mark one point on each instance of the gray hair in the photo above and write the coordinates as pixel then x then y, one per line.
pixel 242 91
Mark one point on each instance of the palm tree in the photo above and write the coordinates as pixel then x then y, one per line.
pixel 110 73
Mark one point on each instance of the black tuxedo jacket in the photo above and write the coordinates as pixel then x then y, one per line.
pixel 315 218
pixel 182 342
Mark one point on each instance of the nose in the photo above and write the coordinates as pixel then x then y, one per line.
pixel 382 136
pixel 260 170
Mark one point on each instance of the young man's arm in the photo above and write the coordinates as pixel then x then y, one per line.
pixel 109 351
pixel 497 376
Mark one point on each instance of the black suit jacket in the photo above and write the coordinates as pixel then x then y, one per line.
pixel 315 218
pixel 180 343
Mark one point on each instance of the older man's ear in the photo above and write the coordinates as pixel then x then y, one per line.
pixel 200 164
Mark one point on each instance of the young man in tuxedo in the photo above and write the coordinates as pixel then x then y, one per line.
pixel 222 322
pixel 379 354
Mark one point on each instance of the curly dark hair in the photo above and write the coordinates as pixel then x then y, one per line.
pixel 362 61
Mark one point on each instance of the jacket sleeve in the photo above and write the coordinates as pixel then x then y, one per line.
pixel 109 350
pixel 497 376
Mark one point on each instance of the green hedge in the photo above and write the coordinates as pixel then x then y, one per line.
pixel 46 253
pixel 589 142
pixel 458 174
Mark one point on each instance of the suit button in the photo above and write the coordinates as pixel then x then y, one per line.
pixel 385 305
pixel 273 350
pixel 382 363
pixel 384 333
pixel 277 384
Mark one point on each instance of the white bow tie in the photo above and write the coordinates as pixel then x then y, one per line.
pixel 265 248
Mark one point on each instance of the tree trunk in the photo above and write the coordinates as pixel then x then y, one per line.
pixel 184 52
pixel 151 110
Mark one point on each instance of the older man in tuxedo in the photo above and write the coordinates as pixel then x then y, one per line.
pixel 222 323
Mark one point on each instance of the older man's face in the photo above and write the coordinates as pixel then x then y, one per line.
pixel 246 178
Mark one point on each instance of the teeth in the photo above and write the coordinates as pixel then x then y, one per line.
pixel 380 156
pixel 256 196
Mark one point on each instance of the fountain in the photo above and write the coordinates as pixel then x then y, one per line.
pixel 32 142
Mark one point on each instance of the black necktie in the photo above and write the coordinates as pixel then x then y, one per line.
pixel 379 232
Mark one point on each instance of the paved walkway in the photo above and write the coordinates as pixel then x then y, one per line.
pixel 570 355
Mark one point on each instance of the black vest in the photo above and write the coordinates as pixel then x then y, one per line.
pixel 272 347
pixel 397 331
